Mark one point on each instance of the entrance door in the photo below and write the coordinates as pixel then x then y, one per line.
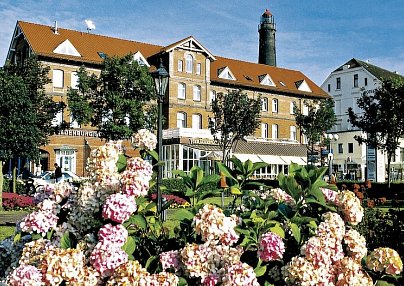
pixel 66 158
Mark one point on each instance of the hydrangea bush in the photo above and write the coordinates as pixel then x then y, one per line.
pixel 108 232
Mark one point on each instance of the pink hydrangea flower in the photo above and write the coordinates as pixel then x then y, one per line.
pixel 113 234
pixel 170 259
pixel 25 275
pixel 105 258
pixel 39 222
pixel 119 207
pixel 240 274
pixel 211 280
pixel 144 139
pixel 271 247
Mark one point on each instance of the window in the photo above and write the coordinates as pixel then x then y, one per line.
pixel 366 81
pixel 212 96
pixel 189 63
pixel 340 148
pixel 181 120
pixel 338 83
pixel 305 140
pixel 329 87
pixel 198 68
pixel 305 110
pixel 74 81
pixel 350 147
pixel 264 102
pixel 180 65
pixel 274 131
pixel 293 133
pixel 274 105
pixel 57 78
pixel 355 80
pixel 196 121
pixel 264 130
pixel 58 119
pixel 197 93
pixel 181 90
pixel 73 123
pixel 292 107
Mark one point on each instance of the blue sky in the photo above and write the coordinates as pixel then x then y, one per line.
pixel 313 36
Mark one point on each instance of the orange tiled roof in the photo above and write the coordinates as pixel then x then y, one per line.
pixel 43 41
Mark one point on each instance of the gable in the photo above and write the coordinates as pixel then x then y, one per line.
pixel 140 59
pixel 265 79
pixel 189 44
pixel 225 73
pixel 67 48
pixel 302 85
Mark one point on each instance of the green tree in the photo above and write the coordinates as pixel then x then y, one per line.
pixel 381 118
pixel 235 116
pixel 320 118
pixel 113 102
pixel 26 112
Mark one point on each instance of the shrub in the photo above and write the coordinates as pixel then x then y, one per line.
pixel 12 201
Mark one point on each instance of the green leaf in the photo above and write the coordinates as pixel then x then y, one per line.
pixel 65 241
pixel 181 214
pixel 296 232
pixel 260 270
pixel 130 245
pixel 121 163
pixel 17 237
pixel 182 282
pixel 383 283
pixel 151 260
pixel 154 154
pixel 235 191
pixel 139 221
pixel 36 236
pixel 277 229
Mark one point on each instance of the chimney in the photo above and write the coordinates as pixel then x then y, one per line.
pixel 55 28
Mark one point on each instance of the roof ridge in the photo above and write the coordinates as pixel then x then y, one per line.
pixel 91 34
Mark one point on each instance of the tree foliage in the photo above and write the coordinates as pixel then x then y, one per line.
pixel 26 111
pixel 320 118
pixel 114 101
pixel 381 117
pixel 235 116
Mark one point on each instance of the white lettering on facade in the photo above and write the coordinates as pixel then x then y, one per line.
pixel 80 133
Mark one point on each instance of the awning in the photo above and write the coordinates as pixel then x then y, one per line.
pixel 272 159
pixel 244 157
pixel 292 159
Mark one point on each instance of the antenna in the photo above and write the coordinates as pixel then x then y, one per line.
pixel 90 25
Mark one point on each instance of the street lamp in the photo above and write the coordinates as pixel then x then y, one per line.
pixel 330 154
pixel 160 77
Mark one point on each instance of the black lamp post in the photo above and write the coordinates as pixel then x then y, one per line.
pixel 160 77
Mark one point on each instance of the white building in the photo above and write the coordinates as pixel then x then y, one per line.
pixel 346 84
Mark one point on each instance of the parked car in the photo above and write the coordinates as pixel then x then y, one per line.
pixel 49 177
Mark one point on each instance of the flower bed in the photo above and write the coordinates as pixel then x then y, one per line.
pixel 108 232
pixel 12 201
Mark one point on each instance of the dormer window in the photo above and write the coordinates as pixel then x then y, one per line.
pixel 225 73
pixel 265 79
pixel 66 48
pixel 302 85
pixel 141 60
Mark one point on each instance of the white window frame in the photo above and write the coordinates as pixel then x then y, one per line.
pixel 305 110
pixel 275 131
pixel 197 93
pixel 275 105
pixel 58 119
pixel 74 80
pixel 292 107
pixel 264 130
pixel 212 96
pixel 198 68
pixel 196 121
pixel 180 65
pixel 189 62
pixel 58 78
pixel 293 133
pixel 181 120
pixel 264 102
pixel 182 90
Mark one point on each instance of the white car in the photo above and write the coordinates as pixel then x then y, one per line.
pixel 49 177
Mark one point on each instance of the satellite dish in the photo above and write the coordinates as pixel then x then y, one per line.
pixel 90 25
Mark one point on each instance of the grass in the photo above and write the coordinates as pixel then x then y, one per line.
pixel 6 231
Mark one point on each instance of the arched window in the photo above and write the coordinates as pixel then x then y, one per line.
pixel 264 130
pixel 274 131
pixel 189 63
pixel 196 121
pixel 275 105
pixel 264 104
pixel 197 92
pixel 181 120
pixel 293 135
pixel 181 90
